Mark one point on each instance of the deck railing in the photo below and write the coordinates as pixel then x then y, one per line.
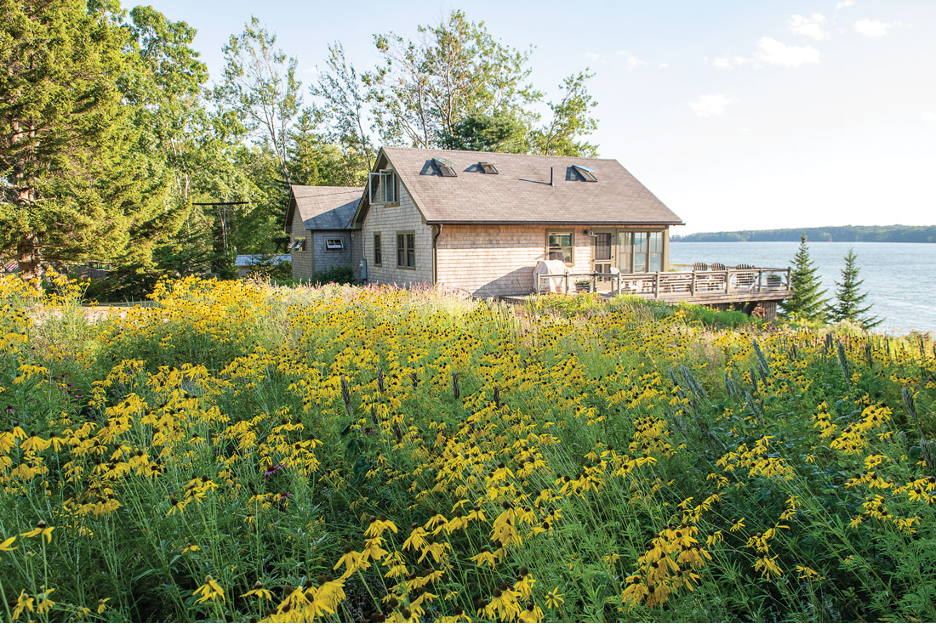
pixel 673 284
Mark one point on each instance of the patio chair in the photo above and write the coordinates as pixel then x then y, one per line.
pixel 713 281
pixel 745 281
pixel 700 266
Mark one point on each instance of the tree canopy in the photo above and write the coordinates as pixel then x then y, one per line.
pixel 115 149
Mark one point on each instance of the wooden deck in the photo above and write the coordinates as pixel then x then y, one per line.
pixel 744 288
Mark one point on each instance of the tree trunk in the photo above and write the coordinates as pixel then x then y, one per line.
pixel 27 256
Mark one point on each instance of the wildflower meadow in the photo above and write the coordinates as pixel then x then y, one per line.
pixel 238 451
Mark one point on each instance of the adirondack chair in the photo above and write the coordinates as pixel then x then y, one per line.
pixel 745 281
pixel 714 281
pixel 700 266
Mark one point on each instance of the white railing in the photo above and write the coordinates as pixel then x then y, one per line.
pixel 671 284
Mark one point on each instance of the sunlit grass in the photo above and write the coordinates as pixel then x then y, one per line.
pixel 243 451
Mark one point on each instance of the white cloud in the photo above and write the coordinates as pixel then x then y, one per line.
pixel 810 26
pixel 664 66
pixel 929 116
pixel 594 58
pixel 726 62
pixel 773 52
pixel 873 28
pixel 769 52
pixel 633 62
pixel 711 105
pixel 313 70
pixel 845 4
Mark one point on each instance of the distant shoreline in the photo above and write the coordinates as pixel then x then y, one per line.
pixel 830 234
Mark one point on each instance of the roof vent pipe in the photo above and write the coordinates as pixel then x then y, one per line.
pixel 551 176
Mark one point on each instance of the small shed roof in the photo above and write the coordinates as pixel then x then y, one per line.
pixel 520 191
pixel 324 207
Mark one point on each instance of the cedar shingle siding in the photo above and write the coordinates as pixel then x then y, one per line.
pixel 489 229
pixel 387 221
pixel 490 261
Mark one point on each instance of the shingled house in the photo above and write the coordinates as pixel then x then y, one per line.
pixel 480 221
pixel 318 221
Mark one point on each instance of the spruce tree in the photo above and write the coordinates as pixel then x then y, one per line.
pixel 807 301
pixel 72 186
pixel 848 297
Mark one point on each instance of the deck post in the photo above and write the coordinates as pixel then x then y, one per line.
pixel 656 286
pixel 567 283
pixel 692 284
pixel 727 281
pixel 760 280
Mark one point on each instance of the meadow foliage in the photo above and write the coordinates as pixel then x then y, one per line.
pixel 239 451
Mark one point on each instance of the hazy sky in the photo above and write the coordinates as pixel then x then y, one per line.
pixel 737 114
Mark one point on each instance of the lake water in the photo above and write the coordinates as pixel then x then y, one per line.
pixel 900 278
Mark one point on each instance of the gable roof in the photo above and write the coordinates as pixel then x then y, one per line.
pixel 323 207
pixel 521 193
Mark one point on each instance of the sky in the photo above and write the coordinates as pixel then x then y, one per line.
pixel 737 114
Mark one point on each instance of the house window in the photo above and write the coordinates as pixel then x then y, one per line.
pixel 378 257
pixel 559 246
pixel 406 250
pixel 297 244
pixel 334 244
pixel 640 252
pixel 487 167
pixel 383 188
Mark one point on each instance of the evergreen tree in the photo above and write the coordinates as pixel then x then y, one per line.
pixel 807 301
pixel 848 297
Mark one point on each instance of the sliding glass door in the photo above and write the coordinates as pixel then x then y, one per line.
pixel 640 252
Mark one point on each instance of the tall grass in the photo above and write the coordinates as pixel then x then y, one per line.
pixel 243 451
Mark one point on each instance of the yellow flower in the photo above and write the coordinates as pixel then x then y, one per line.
pixel 102 605
pixel 209 591
pixel 41 529
pixel 6 544
pixel 25 602
pixel 554 598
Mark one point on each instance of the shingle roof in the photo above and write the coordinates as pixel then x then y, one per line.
pixel 520 192
pixel 325 207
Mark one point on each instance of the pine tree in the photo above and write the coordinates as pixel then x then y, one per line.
pixel 807 301
pixel 72 185
pixel 848 297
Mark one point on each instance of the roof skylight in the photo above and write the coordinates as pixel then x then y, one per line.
pixel 487 167
pixel 445 167
pixel 587 174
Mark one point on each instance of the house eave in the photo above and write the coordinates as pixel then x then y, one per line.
pixel 562 222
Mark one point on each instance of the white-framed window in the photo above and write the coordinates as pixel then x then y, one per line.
pixel 382 188
pixel 560 246
pixel 298 245
pixel 334 244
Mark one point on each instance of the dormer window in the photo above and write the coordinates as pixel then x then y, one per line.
pixel 383 188
pixel 487 167
pixel 446 167
pixel 588 175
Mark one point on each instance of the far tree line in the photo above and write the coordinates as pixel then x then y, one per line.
pixel 114 145
pixel 839 233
